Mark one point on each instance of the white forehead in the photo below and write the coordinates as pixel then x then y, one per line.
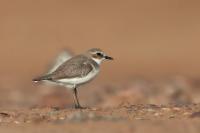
pixel 95 50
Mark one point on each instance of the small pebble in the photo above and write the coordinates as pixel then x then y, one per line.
pixel 186 113
pixel 16 122
pixel 157 114
pixel 195 115
pixel 62 118
pixel 166 109
pixel 176 109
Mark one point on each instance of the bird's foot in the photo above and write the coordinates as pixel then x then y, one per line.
pixel 80 107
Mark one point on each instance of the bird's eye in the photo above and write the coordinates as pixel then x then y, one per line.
pixel 99 54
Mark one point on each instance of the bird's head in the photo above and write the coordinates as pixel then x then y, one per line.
pixel 98 55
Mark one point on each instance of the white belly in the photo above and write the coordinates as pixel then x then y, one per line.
pixel 70 83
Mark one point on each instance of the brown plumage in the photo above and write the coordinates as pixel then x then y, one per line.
pixel 78 66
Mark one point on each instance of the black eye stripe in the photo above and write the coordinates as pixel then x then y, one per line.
pixel 99 54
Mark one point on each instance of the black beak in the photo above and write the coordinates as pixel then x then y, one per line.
pixel 108 58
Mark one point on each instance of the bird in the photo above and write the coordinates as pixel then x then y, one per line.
pixel 76 71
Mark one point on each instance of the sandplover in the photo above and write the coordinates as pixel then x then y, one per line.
pixel 76 71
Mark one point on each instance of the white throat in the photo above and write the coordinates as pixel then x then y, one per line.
pixel 98 61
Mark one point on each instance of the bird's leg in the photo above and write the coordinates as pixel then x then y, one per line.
pixel 76 101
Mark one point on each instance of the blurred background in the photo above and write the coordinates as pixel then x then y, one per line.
pixel 148 39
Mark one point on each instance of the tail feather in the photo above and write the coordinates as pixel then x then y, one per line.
pixel 41 78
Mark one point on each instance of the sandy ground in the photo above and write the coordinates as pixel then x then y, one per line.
pixel 164 105
pixel 130 118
